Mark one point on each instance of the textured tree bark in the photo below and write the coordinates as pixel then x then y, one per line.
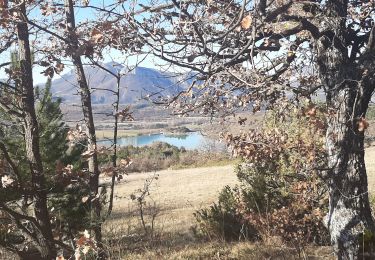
pixel 45 238
pixel 89 121
pixel 349 90
pixel 349 214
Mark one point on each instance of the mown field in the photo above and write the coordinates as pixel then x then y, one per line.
pixel 175 195
pixel 370 166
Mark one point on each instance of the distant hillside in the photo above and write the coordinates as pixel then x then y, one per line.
pixel 135 86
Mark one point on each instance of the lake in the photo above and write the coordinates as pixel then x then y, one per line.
pixel 190 141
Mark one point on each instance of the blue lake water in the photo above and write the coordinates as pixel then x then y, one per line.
pixel 190 141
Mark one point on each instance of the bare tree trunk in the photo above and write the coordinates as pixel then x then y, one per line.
pixel 348 91
pixel 348 96
pixel 114 155
pixel 89 121
pixel 349 209
pixel 45 238
pixel 349 216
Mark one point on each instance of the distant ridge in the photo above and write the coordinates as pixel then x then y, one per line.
pixel 135 85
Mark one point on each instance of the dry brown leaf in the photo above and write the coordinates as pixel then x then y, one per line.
pixel 59 67
pixel 311 112
pixel 109 171
pixel 362 124
pixel 3 4
pixel 84 199
pixel 106 26
pixel 87 154
pixel 125 162
pixel 96 35
pixel 246 22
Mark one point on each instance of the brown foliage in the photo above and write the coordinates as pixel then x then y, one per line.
pixel 299 221
pixel 280 193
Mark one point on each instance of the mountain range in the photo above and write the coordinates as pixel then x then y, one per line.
pixel 135 85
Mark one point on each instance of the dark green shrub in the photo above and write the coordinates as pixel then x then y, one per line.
pixel 71 214
pixel 222 220
pixel 280 193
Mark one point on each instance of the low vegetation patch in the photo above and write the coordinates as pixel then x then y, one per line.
pixel 216 250
pixel 280 193
pixel 160 156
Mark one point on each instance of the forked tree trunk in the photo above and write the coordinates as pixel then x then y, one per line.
pixel 89 121
pixel 349 89
pixel 46 244
pixel 349 216
pixel 348 95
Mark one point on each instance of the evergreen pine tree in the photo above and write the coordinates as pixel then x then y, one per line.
pixel 53 139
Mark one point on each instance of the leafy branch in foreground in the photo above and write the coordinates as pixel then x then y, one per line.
pixel 253 54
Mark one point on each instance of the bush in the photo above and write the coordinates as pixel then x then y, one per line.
pixel 222 220
pixel 255 212
pixel 160 156
pixel 298 222
pixel 280 193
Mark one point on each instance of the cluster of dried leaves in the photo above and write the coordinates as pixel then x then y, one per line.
pixel 281 192
pixel 296 136
pixel 299 221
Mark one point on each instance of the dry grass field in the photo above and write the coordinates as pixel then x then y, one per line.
pixel 178 193
pixel 175 195
pixel 370 166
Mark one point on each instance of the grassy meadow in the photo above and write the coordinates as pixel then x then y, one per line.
pixel 175 195
pixel 173 198
pixel 168 213
pixel 370 166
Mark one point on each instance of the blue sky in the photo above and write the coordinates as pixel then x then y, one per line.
pixel 82 15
